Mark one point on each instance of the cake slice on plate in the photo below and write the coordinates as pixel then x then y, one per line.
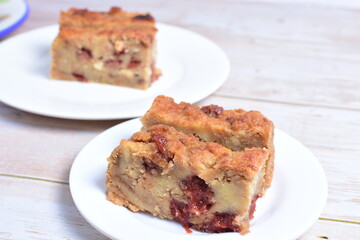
pixel 114 47
pixel 173 175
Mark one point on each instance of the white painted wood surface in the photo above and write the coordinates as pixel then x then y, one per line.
pixel 296 61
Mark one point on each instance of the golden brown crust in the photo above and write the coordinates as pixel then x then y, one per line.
pixel 203 157
pixel 114 22
pixel 234 129
pixel 84 17
pixel 166 109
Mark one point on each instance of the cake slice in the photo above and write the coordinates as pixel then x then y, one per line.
pixel 114 47
pixel 234 129
pixel 173 175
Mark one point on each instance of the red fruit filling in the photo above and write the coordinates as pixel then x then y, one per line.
pixel 212 110
pixel 160 142
pixel 181 213
pixel 220 222
pixel 84 53
pixel 80 77
pixel 113 63
pixel 199 193
pixel 149 166
pixel 134 63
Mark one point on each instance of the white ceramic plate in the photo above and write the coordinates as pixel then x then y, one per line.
pixel 12 14
pixel 290 207
pixel 193 67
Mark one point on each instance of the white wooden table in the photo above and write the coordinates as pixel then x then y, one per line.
pixel 296 61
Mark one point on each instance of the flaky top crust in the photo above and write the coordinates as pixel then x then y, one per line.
pixel 233 120
pixel 206 159
pixel 114 22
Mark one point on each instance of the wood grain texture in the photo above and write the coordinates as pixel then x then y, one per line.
pixel 296 61
pixel 41 210
pixel 332 231
pixel 40 146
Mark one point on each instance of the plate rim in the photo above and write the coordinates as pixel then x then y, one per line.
pixel 224 73
pixel 18 22
pixel 321 201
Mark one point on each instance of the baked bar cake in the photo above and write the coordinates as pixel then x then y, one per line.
pixel 114 47
pixel 234 129
pixel 173 175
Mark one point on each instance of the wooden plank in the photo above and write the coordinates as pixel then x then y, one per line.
pixel 330 230
pixel 43 147
pixel 288 53
pixel 41 210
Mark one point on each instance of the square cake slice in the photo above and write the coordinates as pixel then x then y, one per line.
pixel 114 47
pixel 173 175
pixel 234 129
